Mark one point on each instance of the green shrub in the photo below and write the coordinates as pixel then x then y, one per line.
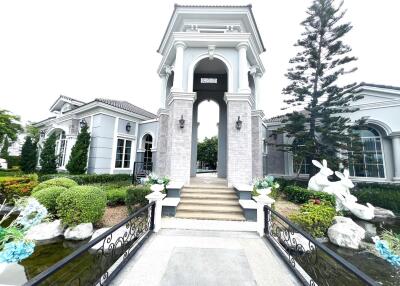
pixel 59 182
pixel 81 204
pixel 11 187
pixel 91 178
pixel 315 218
pixel 381 195
pixel 136 197
pixel 116 196
pixel 48 197
pixel 301 195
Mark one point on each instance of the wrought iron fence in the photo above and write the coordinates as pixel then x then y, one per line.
pixel 311 261
pixel 141 170
pixel 100 260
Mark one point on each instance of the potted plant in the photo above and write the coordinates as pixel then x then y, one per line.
pixel 263 186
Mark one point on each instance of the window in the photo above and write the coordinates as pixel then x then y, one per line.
pixel 61 147
pixel 148 155
pixel 370 162
pixel 123 156
pixel 300 164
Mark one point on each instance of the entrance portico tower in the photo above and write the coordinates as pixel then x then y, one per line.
pixel 211 52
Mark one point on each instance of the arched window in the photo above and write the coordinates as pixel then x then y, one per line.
pixel 61 147
pixel 370 162
pixel 147 145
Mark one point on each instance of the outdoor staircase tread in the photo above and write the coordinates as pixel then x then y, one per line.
pixel 206 186
pixel 230 202
pixel 208 196
pixel 210 215
pixel 209 208
pixel 212 191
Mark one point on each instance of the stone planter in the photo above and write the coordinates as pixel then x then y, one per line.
pixel 264 192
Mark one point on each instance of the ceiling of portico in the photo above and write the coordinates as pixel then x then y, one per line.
pixel 207 66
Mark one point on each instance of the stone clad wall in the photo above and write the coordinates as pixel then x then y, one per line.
pixel 162 144
pixel 257 144
pixel 239 143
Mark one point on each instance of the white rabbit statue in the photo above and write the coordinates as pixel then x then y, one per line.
pixel 341 190
pixel 320 180
pixel 363 212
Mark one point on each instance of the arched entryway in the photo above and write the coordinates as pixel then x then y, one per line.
pixel 147 144
pixel 210 82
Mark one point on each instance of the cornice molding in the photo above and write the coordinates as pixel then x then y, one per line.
pixel 229 97
pixel 189 96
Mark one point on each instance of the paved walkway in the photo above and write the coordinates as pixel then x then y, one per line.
pixel 197 258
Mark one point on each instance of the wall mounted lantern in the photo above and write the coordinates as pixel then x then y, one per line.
pixel 128 127
pixel 239 123
pixel 83 123
pixel 42 133
pixel 181 122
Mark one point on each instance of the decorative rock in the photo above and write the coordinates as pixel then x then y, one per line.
pixel 45 231
pixel 381 213
pixel 79 232
pixel 346 233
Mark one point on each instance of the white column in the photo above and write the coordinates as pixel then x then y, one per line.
pixel 163 96
pixel 257 87
pixel 396 157
pixel 178 68
pixel 156 197
pixel 243 68
pixel 262 200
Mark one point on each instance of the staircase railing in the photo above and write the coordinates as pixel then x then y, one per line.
pixel 311 261
pixel 100 260
pixel 141 170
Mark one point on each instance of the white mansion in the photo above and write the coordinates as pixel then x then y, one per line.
pixel 212 53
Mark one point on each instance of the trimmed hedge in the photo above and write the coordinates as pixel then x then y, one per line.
pixel 81 204
pixel 301 195
pixel 90 178
pixel 315 218
pixel 59 182
pixel 283 183
pixel 48 197
pixel 116 196
pixel 136 197
pixel 381 195
pixel 11 187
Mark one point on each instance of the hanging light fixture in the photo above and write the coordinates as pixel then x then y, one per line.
pixel 83 123
pixel 181 122
pixel 239 123
pixel 128 127
pixel 42 133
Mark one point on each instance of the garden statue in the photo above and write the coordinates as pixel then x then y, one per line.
pixel 320 180
pixel 341 190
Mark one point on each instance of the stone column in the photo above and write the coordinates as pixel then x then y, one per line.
pixel 164 83
pixel 243 68
pixel 262 200
pixel 156 197
pixel 162 143
pixel 178 67
pixel 258 94
pixel 239 140
pixel 180 139
pixel 256 143
pixel 396 156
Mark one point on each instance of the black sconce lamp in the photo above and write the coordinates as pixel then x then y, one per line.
pixel 42 133
pixel 181 122
pixel 239 123
pixel 128 127
pixel 83 123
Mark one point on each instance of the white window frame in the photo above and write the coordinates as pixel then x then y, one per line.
pixel 123 154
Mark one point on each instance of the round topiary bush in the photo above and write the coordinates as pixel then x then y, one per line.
pixel 48 197
pixel 81 204
pixel 59 182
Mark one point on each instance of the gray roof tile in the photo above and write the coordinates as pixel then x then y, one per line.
pixel 127 106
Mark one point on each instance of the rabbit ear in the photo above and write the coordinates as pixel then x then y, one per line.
pixel 325 163
pixel 346 173
pixel 339 175
pixel 317 164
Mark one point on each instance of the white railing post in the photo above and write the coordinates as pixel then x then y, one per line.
pixel 157 197
pixel 262 200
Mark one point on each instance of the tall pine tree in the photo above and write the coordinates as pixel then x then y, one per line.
pixel 322 59
pixel 48 157
pixel 29 155
pixel 4 149
pixel 79 154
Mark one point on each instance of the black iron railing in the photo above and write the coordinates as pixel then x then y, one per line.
pixel 141 170
pixel 100 260
pixel 311 261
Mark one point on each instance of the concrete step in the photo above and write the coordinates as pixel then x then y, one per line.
pixel 210 215
pixel 223 202
pixel 210 196
pixel 206 186
pixel 208 191
pixel 210 208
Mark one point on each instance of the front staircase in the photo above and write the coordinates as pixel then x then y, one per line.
pixel 210 202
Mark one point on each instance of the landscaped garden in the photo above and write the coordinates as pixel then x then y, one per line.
pixel 377 254
pixel 75 208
